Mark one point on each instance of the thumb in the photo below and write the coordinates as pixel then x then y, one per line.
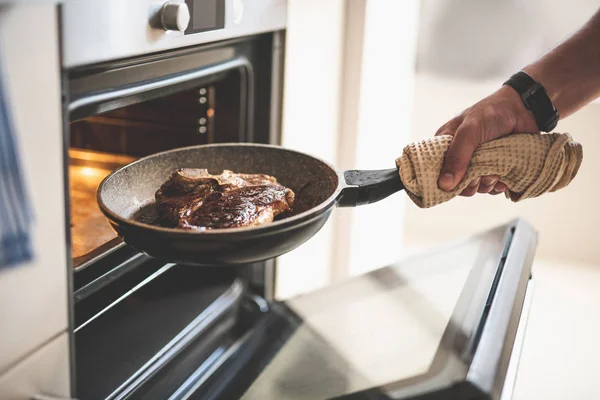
pixel 458 156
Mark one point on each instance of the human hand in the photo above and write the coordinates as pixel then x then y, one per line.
pixel 497 115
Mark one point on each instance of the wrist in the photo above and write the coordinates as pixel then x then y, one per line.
pixel 522 113
pixel 524 118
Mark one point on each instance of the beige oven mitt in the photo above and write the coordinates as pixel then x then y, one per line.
pixel 530 164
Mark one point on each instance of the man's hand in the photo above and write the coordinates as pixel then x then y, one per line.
pixel 570 73
pixel 497 115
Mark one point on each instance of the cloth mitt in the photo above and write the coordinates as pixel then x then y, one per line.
pixel 529 164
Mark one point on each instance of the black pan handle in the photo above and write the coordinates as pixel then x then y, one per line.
pixel 365 187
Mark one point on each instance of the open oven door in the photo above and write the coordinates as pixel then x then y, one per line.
pixel 441 325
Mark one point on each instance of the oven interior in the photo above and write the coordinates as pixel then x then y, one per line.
pixel 144 328
pixel 102 143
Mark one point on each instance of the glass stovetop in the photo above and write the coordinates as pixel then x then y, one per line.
pixel 403 330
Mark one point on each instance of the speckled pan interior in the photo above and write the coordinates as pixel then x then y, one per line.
pixel 313 181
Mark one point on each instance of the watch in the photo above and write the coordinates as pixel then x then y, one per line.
pixel 536 100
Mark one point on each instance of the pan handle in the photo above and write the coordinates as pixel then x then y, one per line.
pixel 366 187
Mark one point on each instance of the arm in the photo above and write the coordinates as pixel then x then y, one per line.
pixel 571 72
pixel 571 75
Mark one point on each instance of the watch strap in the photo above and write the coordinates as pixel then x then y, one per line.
pixel 536 100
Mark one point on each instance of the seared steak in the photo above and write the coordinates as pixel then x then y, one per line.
pixel 194 199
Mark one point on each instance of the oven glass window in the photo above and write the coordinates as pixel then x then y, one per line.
pixel 380 328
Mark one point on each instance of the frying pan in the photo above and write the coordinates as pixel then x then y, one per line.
pixel 126 197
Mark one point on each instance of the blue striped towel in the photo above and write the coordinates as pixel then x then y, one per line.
pixel 15 211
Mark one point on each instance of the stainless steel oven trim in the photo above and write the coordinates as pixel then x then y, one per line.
pixel 147 280
pixel 141 89
pixel 112 246
pixel 98 31
pixel 68 238
pixel 488 368
pixel 247 94
pixel 278 61
pixel 114 273
pixel 513 367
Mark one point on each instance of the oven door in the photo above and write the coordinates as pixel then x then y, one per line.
pixel 441 325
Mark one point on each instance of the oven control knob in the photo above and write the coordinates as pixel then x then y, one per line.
pixel 175 16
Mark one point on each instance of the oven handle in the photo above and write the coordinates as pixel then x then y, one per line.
pixel 106 101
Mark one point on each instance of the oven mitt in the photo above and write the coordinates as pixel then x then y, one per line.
pixel 530 164
pixel 15 212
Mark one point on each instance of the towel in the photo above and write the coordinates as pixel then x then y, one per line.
pixel 15 211
pixel 530 164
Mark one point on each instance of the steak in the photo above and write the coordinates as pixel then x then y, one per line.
pixel 194 199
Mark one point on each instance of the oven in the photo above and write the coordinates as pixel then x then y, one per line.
pixel 147 76
pixel 146 328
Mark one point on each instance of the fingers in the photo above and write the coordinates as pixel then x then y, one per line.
pixel 488 183
pixel 450 127
pixel 499 188
pixel 472 188
pixel 488 119
pixel 458 156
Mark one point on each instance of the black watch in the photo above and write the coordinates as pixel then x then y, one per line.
pixel 536 100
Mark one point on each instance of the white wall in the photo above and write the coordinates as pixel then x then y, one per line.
pixel 482 39
pixel 376 112
pixel 347 99
pixel 311 121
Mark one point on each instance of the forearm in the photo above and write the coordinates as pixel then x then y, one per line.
pixel 571 72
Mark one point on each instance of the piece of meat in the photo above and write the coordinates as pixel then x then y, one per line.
pixel 194 199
